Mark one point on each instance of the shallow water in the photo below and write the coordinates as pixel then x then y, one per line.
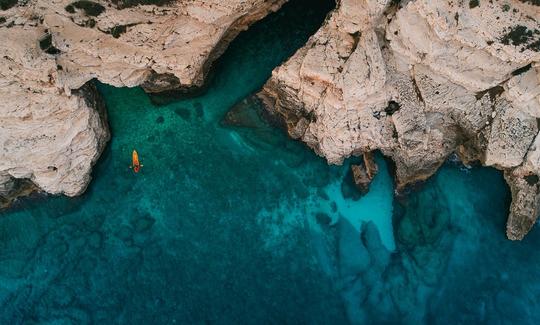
pixel 239 224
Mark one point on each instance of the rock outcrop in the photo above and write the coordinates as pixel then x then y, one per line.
pixel 419 80
pixel 52 121
pixel 364 173
pixel 415 79
pixel 47 137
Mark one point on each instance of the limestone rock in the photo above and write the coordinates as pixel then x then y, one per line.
pixel 525 202
pixel 370 164
pixel 49 138
pixel 160 47
pixel 46 136
pixel 419 81
pixel 364 173
pixel 52 122
pixel 361 179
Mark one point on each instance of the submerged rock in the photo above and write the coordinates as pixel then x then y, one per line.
pixel 419 80
pixel 144 223
pixel 244 114
pixel 323 219
pixel 349 188
pixel 199 110
pixel 184 113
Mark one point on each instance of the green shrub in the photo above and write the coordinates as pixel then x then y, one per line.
pixel 392 107
pixel 517 35
pixel 90 23
pixel 116 31
pixel 90 8
pixel 70 9
pixel 121 4
pixel 45 43
pixel 6 4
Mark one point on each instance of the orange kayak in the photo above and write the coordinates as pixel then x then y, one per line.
pixel 135 162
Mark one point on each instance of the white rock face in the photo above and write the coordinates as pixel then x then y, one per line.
pixel 52 121
pixel 419 81
pixel 45 136
pixel 180 40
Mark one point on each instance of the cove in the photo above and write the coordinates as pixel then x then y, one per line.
pixel 234 223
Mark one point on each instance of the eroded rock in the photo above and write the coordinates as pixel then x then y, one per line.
pixel 364 173
pixel 419 81
pixel 52 121
pixel 361 179
pixel 525 205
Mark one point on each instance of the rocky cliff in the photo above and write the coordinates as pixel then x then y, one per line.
pixel 416 79
pixel 52 121
pixel 420 80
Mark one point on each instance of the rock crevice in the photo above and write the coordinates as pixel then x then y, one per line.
pixel 421 80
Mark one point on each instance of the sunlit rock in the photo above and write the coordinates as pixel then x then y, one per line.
pixel 52 123
pixel 417 80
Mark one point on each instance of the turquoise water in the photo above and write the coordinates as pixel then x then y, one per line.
pixel 237 224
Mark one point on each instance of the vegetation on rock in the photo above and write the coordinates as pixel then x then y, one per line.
pixel 392 107
pixel 121 4
pixel 474 3
pixel 521 35
pixel 116 31
pixel 90 8
pixel 45 44
pixel 6 4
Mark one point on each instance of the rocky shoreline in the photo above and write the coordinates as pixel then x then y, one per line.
pixel 53 126
pixel 418 81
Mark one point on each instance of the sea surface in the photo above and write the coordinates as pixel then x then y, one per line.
pixel 232 222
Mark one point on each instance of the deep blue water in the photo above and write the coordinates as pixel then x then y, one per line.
pixel 241 225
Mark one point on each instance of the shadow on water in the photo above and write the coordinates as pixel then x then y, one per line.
pixel 294 23
pixel 452 263
pixel 231 222
pixel 211 230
